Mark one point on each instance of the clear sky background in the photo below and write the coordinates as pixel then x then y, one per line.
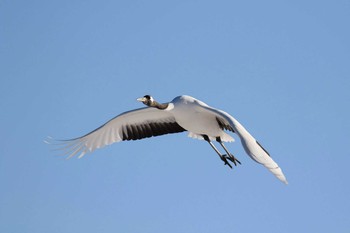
pixel 280 67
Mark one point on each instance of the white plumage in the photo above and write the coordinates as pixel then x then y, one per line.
pixel 183 113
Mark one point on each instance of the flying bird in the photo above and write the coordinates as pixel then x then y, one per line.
pixel 183 113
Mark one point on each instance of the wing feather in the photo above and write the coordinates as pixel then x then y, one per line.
pixel 132 125
pixel 250 144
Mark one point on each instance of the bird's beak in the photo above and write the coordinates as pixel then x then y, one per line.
pixel 141 99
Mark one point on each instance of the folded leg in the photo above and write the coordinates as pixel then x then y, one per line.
pixel 223 158
pixel 229 155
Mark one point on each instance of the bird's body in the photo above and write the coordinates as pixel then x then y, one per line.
pixel 197 118
pixel 183 113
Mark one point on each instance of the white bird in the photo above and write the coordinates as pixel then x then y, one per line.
pixel 183 113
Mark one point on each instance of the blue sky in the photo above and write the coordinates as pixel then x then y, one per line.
pixel 280 67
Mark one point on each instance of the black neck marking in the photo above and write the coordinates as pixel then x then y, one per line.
pixel 155 104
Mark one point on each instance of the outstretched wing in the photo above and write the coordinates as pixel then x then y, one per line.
pixel 133 125
pixel 250 144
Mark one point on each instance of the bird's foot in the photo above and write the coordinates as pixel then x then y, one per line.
pixel 223 158
pixel 232 159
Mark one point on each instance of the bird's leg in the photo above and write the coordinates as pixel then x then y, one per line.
pixel 229 155
pixel 223 158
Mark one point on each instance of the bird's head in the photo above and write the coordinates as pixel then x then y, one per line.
pixel 150 102
pixel 147 100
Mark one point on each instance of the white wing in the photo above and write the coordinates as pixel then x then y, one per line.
pixel 250 144
pixel 133 125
